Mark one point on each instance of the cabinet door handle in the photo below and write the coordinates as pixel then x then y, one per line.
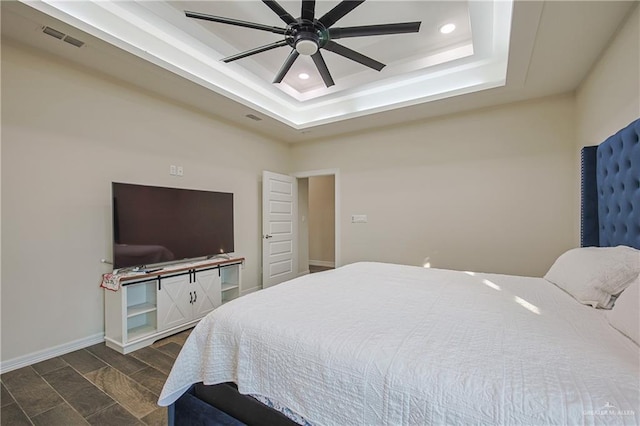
pixel 195 297
pixel 191 297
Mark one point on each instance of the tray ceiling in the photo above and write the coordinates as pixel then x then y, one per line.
pixel 501 52
pixel 420 67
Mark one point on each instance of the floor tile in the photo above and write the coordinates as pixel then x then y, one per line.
pixel 155 358
pixel 31 392
pixel 157 417
pixel 151 379
pixel 5 396
pixel 12 415
pixel 49 365
pixel 172 349
pixel 127 364
pixel 78 391
pixel 62 415
pixel 179 338
pixel 313 268
pixel 138 400
pixel 115 415
pixel 83 361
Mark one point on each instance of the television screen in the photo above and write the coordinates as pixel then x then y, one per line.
pixel 156 225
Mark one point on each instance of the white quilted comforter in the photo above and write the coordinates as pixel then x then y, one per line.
pixel 382 344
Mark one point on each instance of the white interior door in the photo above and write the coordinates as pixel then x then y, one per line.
pixel 279 234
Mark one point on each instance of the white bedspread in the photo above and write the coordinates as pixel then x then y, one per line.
pixel 382 344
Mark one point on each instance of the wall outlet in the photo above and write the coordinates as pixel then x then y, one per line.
pixel 180 171
pixel 173 170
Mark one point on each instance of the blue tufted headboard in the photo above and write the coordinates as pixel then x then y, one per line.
pixel 610 208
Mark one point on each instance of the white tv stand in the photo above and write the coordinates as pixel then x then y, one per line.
pixel 151 306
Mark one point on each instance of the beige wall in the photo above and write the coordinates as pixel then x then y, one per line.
pixel 609 98
pixel 322 228
pixel 66 135
pixel 489 190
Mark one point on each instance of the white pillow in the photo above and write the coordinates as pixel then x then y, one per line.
pixel 593 274
pixel 625 315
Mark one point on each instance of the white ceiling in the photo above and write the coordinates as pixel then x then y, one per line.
pixel 550 47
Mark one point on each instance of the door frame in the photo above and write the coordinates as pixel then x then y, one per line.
pixel 336 182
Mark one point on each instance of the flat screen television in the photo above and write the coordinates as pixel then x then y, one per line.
pixel 153 225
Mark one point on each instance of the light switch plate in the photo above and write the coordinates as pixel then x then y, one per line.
pixel 358 218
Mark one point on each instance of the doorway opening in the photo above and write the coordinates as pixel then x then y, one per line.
pixel 318 225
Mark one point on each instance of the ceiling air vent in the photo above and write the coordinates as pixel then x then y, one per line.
pixel 74 41
pixel 62 36
pixel 253 117
pixel 53 33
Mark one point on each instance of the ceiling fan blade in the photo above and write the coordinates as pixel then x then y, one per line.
pixel 344 7
pixel 353 55
pixel 286 66
pixel 254 51
pixel 279 10
pixel 235 22
pixel 322 69
pixel 372 30
pixel 308 9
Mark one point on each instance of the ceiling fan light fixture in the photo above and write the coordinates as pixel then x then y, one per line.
pixel 306 47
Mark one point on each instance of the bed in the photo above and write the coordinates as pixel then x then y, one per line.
pixel 373 343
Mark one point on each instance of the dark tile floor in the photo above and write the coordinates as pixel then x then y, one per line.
pixel 91 386
pixel 314 268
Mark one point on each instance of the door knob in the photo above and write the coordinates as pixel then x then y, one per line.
pixel 268 236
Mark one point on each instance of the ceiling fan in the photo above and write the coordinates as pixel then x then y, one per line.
pixel 307 35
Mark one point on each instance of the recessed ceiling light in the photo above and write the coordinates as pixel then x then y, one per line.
pixel 303 76
pixel 447 28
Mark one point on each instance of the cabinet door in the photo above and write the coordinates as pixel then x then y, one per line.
pixel 207 290
pixel 174 305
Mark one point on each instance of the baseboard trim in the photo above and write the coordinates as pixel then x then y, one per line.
pixel 325 263
pixel 45 354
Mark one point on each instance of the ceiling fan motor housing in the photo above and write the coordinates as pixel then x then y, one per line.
pixel 306 36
